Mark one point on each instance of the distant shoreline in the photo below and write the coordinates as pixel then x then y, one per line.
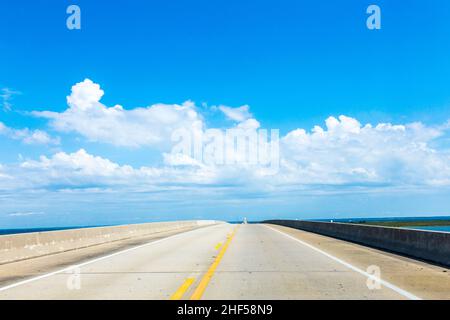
pixel 412 223
pixel 398 222
pixel 441 224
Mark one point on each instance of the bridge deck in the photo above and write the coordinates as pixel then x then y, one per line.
pixel 225 262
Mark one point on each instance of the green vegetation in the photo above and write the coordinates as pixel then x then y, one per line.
pixel 412 223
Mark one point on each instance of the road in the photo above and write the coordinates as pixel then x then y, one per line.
pixel 226 261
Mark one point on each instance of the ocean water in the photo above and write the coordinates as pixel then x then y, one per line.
pixel 432 228
pixel 352 220
pixel 28 230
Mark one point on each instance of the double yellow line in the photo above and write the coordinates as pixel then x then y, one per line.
pixel 208 275
pixel 182 289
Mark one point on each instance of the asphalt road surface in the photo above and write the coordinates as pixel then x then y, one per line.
pixel 228 261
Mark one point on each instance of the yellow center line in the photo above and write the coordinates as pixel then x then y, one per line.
pixel 208 275
pixel 182 289
pixel 218 246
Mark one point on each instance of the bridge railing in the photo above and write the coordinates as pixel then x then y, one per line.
pixel 30 245
pixel 425 245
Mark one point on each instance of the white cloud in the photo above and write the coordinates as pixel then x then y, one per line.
pixel 149 126
pixel 346 152
pixel 28 136
pixel 239 114
pixel 249 124
pixel 24 214
pixel 34 137
pixel 80 162
pixel 180 159
pixel 6 95
pixel 81 169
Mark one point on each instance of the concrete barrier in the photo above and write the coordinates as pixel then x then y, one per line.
pixel 17 247
pixel 424 245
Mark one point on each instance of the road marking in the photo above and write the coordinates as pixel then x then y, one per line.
pixel 208 275
pixel 182 289
pixel 218 246
pixel 95 260
pixel 348 265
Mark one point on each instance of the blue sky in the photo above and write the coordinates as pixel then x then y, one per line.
pixel 294 63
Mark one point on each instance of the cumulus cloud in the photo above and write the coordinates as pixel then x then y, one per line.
pixel 28 136
pixel 340 152
pixel 239 114
pixel 34 137
pixel 79 162
pixel 148 126
pixel 348 152
pixel 81 169
pixel 249 124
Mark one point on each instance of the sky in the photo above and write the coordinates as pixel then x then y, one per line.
pixel 88 116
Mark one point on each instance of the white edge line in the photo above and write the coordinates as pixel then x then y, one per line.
pixel 93 261
pixel 348 265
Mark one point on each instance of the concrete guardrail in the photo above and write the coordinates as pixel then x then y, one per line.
pixel 17 247
pixel 425 245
